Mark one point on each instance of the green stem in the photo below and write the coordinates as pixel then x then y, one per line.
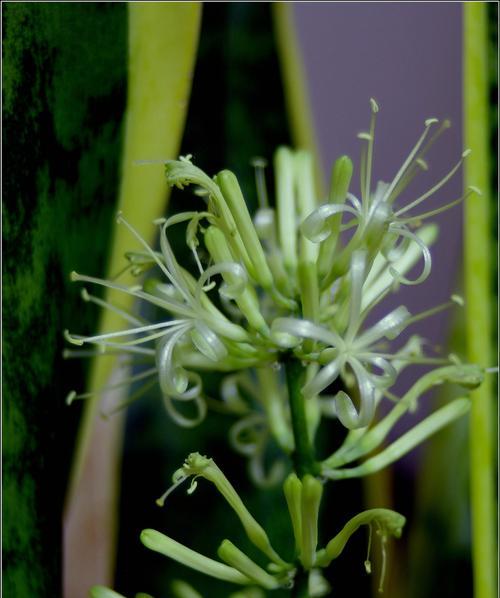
pixel 301 585
pixel 478 294
pixel 303 454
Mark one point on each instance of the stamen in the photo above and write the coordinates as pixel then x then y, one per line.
pixel 118 333
pixel 69 354
pixel 260 181
pixel 131 399
pixel 369 155
pixel 124 348
pixel 407 178
pixel 436 187
pixel 107 305
pixel 161 501
pixel 368 565
pixel 383 542
pixel 121 220
pixel 417 218
pixel 455 300
pixel 72 396
pixel 172 306
pixel 428 123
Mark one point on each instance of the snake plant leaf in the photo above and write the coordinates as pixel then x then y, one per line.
pixel 295 85
pixel 63 81
pixel 162 44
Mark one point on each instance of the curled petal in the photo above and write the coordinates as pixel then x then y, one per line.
pixel 247 435
pixel 290 330
pixel 316 228
pixel 182 420
pixel 355 202
pixel 328 374
pixel 379 279
pixel 395 246
pixel 207 342
pixel 263 478
pixel 231 291
pixel 400 278
pixel 173 378
pixel 346 411
pixel 231 395
pixel 388 375
pixel 389 326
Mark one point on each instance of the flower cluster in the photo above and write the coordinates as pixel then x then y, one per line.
pixel 299 278
pixel 294 284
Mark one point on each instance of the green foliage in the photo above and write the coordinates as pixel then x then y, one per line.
pixel 63 86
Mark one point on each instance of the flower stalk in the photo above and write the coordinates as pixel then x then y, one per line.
pixel 477 240
pixel 303 455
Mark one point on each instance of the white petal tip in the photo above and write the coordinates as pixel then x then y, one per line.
pixel 365 136
pixel 374 106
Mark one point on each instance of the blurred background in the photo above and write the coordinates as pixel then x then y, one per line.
pixel 64 99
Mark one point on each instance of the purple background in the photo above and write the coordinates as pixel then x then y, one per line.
pixel 408 57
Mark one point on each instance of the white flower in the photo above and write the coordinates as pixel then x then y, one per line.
pixel 296 278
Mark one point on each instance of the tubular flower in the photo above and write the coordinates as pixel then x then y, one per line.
pixel 303 498
pixel 300 277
